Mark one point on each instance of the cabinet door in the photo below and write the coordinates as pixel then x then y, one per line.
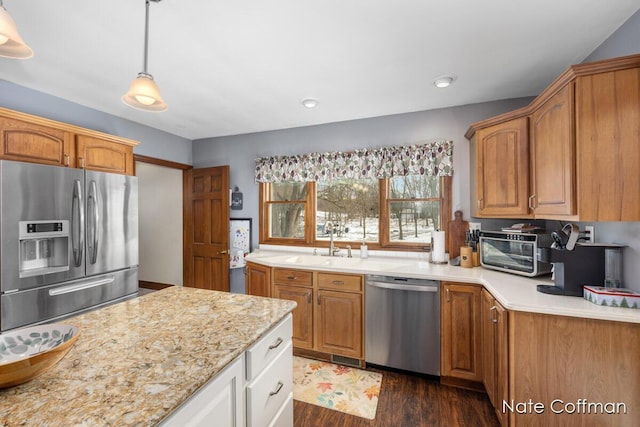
pixel 302 314
pixel 608 152
pixel 502 170
pixel 27 142
pixel 488 346
pixel 220 402
pixel 102 155
pixel 552 137
pixel 340 323
pixel 258 280
pixel 460 324
pixel 494 353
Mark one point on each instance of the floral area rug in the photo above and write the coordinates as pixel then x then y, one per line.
pixel 341 388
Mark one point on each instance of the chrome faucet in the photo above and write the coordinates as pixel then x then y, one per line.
pixel 332 250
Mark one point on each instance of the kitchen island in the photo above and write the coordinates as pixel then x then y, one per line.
pixel 136 362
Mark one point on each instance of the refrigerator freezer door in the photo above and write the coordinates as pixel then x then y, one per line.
pixel 111 222
pixel 33 192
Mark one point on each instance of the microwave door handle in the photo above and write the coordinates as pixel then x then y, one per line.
pixel 77 219
pixel 92 202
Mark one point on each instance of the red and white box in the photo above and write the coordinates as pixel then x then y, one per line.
pixel 612 297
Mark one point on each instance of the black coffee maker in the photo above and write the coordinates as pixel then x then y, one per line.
pixel 572 269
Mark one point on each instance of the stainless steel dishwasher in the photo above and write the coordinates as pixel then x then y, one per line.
pixel 402 323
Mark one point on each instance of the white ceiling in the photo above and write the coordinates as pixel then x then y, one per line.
pixel 237 66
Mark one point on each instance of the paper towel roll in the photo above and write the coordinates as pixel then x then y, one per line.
pixel 437 248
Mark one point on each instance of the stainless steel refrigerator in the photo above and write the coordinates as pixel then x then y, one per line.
pixel 68 241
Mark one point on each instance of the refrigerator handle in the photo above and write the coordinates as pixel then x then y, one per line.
pixel 77 223
pixel 92 203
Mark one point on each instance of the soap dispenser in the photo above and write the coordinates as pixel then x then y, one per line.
pixel 364 250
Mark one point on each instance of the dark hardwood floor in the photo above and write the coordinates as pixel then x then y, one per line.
pixel 408 401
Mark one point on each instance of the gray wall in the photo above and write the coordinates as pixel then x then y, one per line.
pixel 240 151
pixel 625 41
pixel 153 142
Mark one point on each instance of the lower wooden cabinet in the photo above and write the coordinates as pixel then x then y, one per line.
pixel 329 318
pixel 340 323
pixel 302 314
pixel 495 353
pixel 258 281
pixel 460 328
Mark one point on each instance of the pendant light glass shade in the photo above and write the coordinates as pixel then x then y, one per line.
pixel 11 44
pixel 144 94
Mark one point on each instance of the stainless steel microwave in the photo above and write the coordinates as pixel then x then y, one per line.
pixel 517 253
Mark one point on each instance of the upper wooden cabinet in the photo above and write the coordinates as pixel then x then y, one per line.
pixel 502 169
pixel 33 139
pixel 583 149
pixel 552 134
pixel 608 132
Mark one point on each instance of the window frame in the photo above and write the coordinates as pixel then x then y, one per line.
pixel 383 223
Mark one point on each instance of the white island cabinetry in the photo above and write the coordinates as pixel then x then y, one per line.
pixel 255 390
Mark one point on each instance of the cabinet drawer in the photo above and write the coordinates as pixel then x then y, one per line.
pixel 269 391
pixel 293 277
pixel 344 282
pixel 284 417
pixel 270 346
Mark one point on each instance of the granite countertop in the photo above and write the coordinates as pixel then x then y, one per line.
pixel 514 292
pixel 137 361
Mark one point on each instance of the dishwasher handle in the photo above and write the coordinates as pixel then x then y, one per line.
pixel 403 287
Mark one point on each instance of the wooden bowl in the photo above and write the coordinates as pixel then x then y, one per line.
pixel 27 353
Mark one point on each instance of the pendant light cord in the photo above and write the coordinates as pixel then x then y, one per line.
pixel 146 36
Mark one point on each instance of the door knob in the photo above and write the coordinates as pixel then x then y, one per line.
pixel 223 252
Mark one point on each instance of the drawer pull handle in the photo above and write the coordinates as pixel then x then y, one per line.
pixel 292 277
pixel 338 282
pixel 276 344
pixel 277 390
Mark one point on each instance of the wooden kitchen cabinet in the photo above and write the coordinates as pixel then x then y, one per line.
pixel 329 319
pixel 28 138
pixel 607 128
pixel 583 151
pixel 502 170
pixel 552 141
pixel 495 353
pixel 461 334
pixel 562 361
pixel 258 280
pixel 102 155
pixel 340 326
pixel 302 314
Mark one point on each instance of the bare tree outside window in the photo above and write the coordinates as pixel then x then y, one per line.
pixel 351 205
pixel 414 208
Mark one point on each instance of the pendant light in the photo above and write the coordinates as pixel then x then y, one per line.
pixel 144 93
pixel 11 44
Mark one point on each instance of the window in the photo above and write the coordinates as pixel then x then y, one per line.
pixel 399 212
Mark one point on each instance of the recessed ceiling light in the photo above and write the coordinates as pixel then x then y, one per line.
pixel 310 102
pixel 444 81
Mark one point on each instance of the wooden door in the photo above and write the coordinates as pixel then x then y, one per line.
pixel 552 139
pixel 102 155
pixel 302 314
pixel 340 323
pixel 258 280
pixel 460 323
pixel 502 170
pixel 206 228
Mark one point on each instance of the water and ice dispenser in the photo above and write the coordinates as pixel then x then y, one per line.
pixel 44 247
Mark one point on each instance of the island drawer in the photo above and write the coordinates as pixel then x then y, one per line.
pixel 269 391
pixel 269 347
pixel 340 282
pixel 289 276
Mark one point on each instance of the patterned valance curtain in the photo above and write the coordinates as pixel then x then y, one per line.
pixel 432 159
